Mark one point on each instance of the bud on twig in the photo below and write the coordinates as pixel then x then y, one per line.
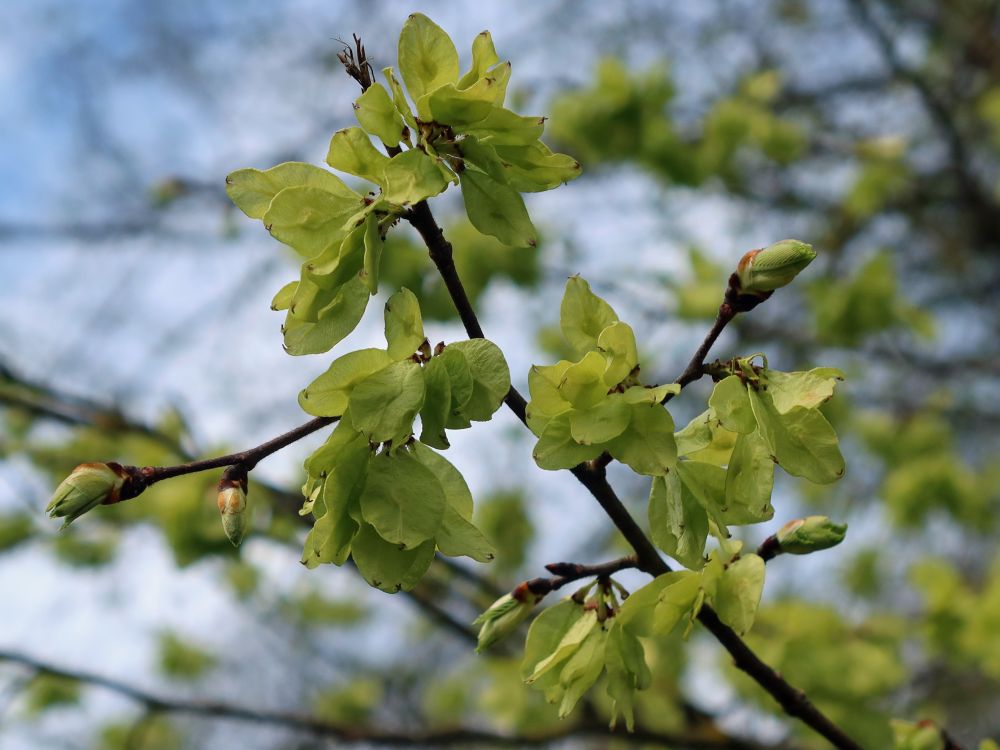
pixel 232 501
pixel 87 486
pixel 762 271
pixel 810 534
pixel 504 615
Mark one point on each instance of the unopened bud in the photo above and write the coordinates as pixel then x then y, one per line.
pixel 87 486
pixel 232 501
pixel 763 271
pixel 504 615
pixel 810 534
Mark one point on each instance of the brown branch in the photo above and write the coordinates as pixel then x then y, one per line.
pixel 794 702
pixel 350 733
pixel 247 459
pixel 568 572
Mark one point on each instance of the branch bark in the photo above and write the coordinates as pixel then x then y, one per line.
pixel 592 476
pixel 352 734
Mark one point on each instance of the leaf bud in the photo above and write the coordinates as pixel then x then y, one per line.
pixel 762 271
pixel 810 534
pixel 504 615
pixel 232 501
pixel 87 486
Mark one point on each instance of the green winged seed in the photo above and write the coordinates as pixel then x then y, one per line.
pixel 497 210
pixel 738 593
pixel 583 315
pixel 731 403
pixel 352 151
pixel 327 395
pixel 763 271
pixel 387 567
pixel 384 405
pixel 253 190
pixel 647 446
pixel 373 252
pixel 399 98
pixel 678 522
pixel 310 219
pixel 411 177
pixel 427 58
pixel 377 114
pixel 749 481
pixel 484 57
pixel 336 319
pixel 437 404
pixel 801 441
pixel 403 499
pixel 404 327
pixel 534 167
pixel 490 377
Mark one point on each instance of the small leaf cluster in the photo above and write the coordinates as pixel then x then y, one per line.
pixel 570 645
pixel 757 417
pixel 457 131
pixel 581 409
pixel 377 494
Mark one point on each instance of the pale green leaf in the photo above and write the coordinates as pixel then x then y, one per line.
pixel 336 319
pixel 327 395
pixel 377 114
pixel 739 591
pixel 678 522
pixel 412 176
pixel 583 383
pixel 310 219
pixel 749 481
pixel 583 315
pixel 600 423
pixel 647 446
pixel 696 436
pixel 352 151
pixel 534 167
pixel 568 645
pixel 801 441
pixel 437 404
pixel 677 599
pixel 501 127
pixel 484 57
pixel 404 327
pixel 384 404
pixel 546 632
pixel 427 58
pixel 650 394
pixel 582 670
pixel 387 567
pixel 399 98
pixel 373 252
pixel 617 344
pixel 731 405
pixel 253 190
pixel 403 499
pixel 806 389
pixel 546 400
pixel 283 299
pixel 707 484
pixel 556 448
pixel 497 210
pixel 490 377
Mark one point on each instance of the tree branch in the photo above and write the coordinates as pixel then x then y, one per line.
pixel 351 734
pixel 794 702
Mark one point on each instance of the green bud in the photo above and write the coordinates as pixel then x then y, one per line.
pixel 762 271
pixel 87 486
pixel 504 615
pixel 810 534
pixel 232 501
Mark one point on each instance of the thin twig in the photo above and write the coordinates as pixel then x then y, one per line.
pixel 353 734
pixel 792 700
